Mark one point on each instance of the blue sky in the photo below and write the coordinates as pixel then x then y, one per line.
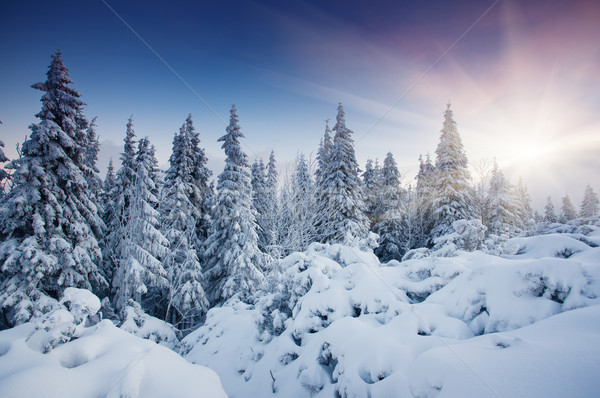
pixel 523 81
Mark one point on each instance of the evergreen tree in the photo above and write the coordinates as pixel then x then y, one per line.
pixel 568 211
pixel 95 192
pixel 451 200
pixel 549 214
pixel 109 181
pixel 47 219
pixel 420 206
pixel 260 200
pixel 118 205
pixel 323 160
pixel 142 247
pixel 187 302
pixel 372 186
pixel 590 205
pixel 233 259
pixel 298 215
pixel 269 220
pixel 343 188
pixel 525 210
pixel 200 177
pixel 394 227
pixel 502 213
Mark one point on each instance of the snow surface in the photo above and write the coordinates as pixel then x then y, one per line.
pixel 59 356
pixel 342 324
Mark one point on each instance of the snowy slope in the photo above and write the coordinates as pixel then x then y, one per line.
pixel 58 356
pixel 469 325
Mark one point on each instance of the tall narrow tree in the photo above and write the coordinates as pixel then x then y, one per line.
pixel 142 247
pixel 590 205
pixel 187 302
pixel 47 219
pixel 451 200
pixel 568 211
pixel 233 259
pixel 343 188
pixel 549 213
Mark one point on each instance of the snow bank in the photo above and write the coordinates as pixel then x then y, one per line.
pixel 70 353
pixel 338 323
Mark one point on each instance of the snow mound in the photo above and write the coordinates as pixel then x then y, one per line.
pixel 339 324
pixel 69 353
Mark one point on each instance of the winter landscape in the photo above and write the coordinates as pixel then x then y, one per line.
pixel 315 275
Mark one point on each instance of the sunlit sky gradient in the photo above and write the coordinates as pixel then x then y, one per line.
pixel 524 82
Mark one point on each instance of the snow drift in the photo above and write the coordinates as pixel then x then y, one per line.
pixel 71 353
pixel 338 323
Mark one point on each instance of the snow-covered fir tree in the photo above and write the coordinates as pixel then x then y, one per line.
pixel 187 302
pixel 109 181
pixel 297 216
pixel 549 213
pixel 393 224
pixel 269 220
pixel 502 206
pixel 525 211
pixel 420 207
pixel 372 185
pixel 95 189
pixel 233 260
pixel 140 275
pixel 200 174
pixel 117 208
pixel 344 205
pixel 567 210
pixel 590 205
pixel 259 201
pixel 451 201
pixel 47 219
pixel 323 160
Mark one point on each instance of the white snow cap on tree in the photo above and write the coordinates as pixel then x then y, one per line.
pixel 234 262
pixel 451 201
pixel 47 220
pixel 344 204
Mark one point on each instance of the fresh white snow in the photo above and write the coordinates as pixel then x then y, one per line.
pixel 59 356
pixel 340 323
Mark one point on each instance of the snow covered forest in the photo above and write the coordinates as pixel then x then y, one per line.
pixel 330 281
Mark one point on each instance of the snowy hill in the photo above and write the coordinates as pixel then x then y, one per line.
pixel 58 356
pixel 339 322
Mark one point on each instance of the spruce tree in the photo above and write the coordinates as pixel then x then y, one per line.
pixel 142 247
pixel 4 175
pixel 323 160
pixel 270 228
pixel 259 201
pixel 372 186
pixel 549 214
pixel 47 220
pixel 568 211
pixel 451 201
pixel 298 209
pixel 393 225
pixel 590 205
pixel 502 212
pixel 344 204
pixel 525 210
pixel 234 262
pixel 118 205
pixel 187 302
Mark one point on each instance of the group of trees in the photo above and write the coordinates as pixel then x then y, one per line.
pixel 174 244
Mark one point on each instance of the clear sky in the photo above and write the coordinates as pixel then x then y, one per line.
pixel 523 77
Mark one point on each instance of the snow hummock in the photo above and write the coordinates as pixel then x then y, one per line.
pixel 336 322
pixel 71 353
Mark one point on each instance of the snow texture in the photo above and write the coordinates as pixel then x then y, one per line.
pixel 70 353
pixel 337 323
